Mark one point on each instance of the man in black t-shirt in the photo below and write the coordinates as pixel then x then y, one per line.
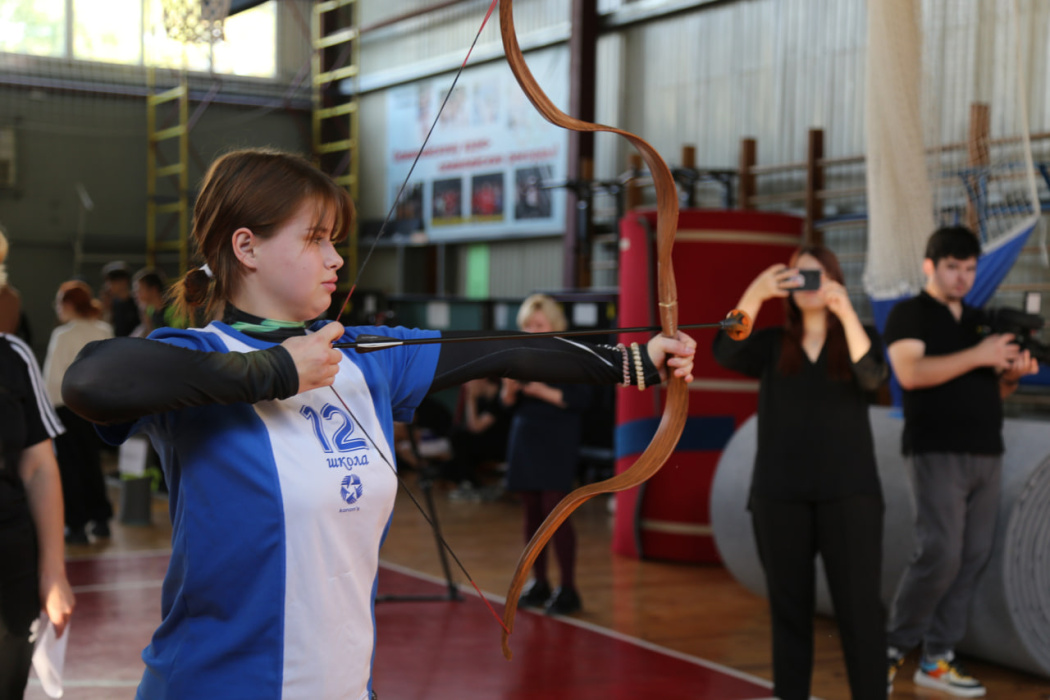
pixel 954 378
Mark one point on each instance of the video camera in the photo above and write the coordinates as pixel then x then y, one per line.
pixel 1023 325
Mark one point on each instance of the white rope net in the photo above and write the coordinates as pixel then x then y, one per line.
pixel 947 131
pixel 900 204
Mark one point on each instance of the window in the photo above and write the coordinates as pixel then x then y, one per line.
pixel 132 32
pixel 245 52
pixel 165 52
pixel 36 27
pixel 249 46
pixel 107 30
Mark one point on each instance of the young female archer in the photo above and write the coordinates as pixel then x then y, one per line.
pixel 276 447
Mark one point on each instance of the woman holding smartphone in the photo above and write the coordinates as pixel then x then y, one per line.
pixel 815 488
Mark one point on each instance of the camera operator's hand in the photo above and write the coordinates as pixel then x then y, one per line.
pixel 1024 364
pixel 999 351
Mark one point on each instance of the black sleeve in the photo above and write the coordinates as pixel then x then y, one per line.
pixel 748 356
pixel 123 379
pixel 550 360
pixel 871 369
pixel 905 321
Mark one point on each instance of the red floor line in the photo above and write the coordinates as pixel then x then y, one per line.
pixel 711 665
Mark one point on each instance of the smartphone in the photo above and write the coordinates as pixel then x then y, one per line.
pixel 810 280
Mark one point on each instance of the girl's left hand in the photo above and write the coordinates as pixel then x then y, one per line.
pixel 836 297
pixel 675 353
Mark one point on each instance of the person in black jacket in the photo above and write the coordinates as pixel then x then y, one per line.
pixel 32 558
pixel 815 488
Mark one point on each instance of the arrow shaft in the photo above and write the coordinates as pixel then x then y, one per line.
pixel 382 342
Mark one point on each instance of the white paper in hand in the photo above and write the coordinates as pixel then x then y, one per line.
pixel 49 656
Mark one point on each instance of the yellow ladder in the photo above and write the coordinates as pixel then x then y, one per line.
pixel 168 206
pixel 338 156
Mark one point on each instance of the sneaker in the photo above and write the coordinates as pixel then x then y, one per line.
pixel 947 674
pixel 566 601
pixel 536 596
pixel 76 535
pixel 894 661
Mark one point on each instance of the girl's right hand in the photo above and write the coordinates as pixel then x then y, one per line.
pixel 316 361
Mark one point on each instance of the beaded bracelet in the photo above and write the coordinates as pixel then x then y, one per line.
pixel 639 374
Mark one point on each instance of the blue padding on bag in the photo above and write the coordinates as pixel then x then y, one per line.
pixel 701 433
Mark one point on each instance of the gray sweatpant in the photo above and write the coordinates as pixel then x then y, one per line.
pixel 956 499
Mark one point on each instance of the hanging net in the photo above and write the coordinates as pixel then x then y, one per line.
pixel 947 132
pixel 195 21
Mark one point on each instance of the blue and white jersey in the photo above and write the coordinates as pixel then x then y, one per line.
pixel 278 513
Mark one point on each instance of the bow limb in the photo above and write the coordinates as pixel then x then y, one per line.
pixel 676 407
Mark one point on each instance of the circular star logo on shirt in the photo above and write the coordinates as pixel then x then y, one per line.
pixel 351 489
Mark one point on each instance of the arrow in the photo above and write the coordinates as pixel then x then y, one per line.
pixel 737 324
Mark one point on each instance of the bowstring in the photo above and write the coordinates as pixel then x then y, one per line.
pixel 357 277
pixel 415 161
pixel 419 507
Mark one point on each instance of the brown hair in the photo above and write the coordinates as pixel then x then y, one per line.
pixel 791 353
pixel 78 295
pixel 257 189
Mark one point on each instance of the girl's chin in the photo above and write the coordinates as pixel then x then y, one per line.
pixel 320 309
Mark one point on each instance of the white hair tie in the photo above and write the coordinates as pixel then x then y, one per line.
pixel 207 270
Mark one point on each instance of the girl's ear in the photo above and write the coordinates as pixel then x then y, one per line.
pixel 244 247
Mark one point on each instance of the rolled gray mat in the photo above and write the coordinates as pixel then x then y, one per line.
pixel 1010 613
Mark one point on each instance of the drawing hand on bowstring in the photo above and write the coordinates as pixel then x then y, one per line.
pixel 316 361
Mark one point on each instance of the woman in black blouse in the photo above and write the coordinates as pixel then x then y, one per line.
pixel 815 488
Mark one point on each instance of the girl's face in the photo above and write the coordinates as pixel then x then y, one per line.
pixel 811 300
pixel 537 322
pixel 297 267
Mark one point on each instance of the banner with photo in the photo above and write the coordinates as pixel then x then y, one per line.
pixel 493 166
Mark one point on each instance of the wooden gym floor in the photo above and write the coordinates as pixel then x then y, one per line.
pixel 665 630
